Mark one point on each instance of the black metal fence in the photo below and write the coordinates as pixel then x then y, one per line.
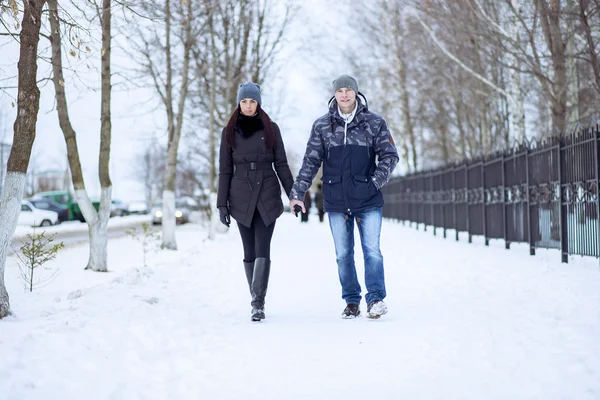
pixel 541 193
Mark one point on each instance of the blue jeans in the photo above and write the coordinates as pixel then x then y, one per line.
pixel 369 228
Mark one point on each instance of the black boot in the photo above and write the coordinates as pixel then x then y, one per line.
pixel 249 268
pixel 260 281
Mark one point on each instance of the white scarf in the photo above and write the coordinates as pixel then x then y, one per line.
pixel 347 118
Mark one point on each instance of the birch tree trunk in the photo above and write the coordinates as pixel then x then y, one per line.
pixel 550 22
pixel 572 78
pixel 402 71
pixel 175 123
pixel 97 222
pixel 516 107
pixel 98 260
pixel 28 104
pixel 212 134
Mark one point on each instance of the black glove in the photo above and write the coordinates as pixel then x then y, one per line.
pixel 297 210
pixel 224 216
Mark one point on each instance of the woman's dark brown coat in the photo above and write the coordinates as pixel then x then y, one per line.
pixel 247 180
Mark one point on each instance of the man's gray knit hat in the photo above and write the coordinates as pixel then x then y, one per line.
pixel 345 81
pixel 249 90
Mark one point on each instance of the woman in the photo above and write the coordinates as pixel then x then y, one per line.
pixel 249 190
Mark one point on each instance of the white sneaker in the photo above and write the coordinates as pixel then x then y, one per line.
pixel 376 309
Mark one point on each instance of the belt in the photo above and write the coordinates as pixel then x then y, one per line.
pixel 252 166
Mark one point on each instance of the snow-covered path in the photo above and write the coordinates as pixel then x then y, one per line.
pixel 464 322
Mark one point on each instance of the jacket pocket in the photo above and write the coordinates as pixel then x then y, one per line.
pixel 332 189
pixel 362 188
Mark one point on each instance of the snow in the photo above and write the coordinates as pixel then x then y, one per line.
pixel 465 321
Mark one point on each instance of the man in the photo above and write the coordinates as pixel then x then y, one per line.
pixel 346 141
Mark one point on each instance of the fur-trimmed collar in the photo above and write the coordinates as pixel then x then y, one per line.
pixel 249 125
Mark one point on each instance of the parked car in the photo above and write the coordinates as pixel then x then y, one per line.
pixel 182 213
pixel 118 208
pixel 42 203
pixel 138 207
pixel 32 216
pixel 64 197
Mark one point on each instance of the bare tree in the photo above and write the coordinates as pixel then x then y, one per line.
pixel 149 167
pixel 175 120
pixel 167 65
pixel 97 220
pixel 385 37
pixel 436 110
pixel 241 41
pixel 589 10
pixel 499 57
pixel 24 134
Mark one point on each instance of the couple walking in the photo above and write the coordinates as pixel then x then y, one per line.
pixel 346 141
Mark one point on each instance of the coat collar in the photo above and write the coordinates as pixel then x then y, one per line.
pixel 359 116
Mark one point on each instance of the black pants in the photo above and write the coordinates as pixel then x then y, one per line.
pixel 321 214
pixel 256 239
pixel 304 217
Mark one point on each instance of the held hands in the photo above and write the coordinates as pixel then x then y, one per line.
pixel 224 216
pixel 296 206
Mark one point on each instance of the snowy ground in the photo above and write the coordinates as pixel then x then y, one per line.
pixel 464 322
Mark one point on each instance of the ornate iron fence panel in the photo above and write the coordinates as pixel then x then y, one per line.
pixel 516 195
pixel 543 193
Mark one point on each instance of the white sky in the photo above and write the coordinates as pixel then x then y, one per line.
pixel 465 322
pixel 295 97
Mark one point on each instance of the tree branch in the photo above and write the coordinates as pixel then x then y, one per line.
pixel 459 62
pixel 9 33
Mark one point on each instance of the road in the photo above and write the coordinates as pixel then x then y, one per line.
pixel 78 232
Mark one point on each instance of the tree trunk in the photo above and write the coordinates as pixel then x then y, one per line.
pixel 572 77
pixel 591 44
pixel 175 124
pixel 98 231
pixel 96 221
pixel 517 107
pixel 402 70
pixel 98 258
pixel 212 134
pixel 168 201
pixel 28 104
pixel 61 100
pixel 550 22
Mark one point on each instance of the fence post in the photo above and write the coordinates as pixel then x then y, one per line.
pixel 564 248
pixel 407 206
pixel 432 202
pixel 485 238
pixel 597 153
pixel 405 200
pixel 419 205
pixel 504 221
pixel 454 201
pixel 443 205
pixel 467 199
pixel 528 203
pixel 422 203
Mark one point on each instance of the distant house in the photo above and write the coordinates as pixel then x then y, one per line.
pixel 36 180
pixel 43 181
pixel 50 180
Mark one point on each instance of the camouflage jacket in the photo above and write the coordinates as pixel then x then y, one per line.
pixel 352 179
